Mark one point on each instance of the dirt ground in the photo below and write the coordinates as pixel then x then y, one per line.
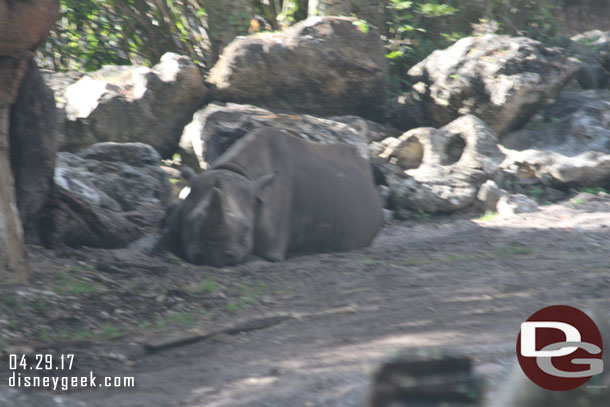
pixel 308 331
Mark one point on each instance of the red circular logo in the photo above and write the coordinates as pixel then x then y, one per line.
pixel 560 348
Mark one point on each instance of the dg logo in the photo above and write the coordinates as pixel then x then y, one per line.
pixel 560 348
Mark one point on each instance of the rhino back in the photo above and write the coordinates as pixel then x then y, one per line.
pixel 324 198
pixel 335 205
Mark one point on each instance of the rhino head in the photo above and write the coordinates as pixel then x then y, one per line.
pixel 215 223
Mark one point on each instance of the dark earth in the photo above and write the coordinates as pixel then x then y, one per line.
pixel 308 331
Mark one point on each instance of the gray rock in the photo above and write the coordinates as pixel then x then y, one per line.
pixel 323 65
pixel 489 194
pixel 217 126
pixel 75 222
pixel 569 146
pixel 516 203
pixel 438 170
pixel 114 176
pixel 502 80
pixel 553 195
pixel 134 104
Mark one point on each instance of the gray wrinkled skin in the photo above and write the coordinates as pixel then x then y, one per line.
pixel 274 195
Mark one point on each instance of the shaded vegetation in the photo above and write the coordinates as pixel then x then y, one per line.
pixel 90 34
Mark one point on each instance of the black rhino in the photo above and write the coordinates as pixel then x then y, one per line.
pixel 274 195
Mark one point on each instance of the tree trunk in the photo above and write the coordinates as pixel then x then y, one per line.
pixel 370 10
pixel 13 266
pixel 329 8
pixel 23 25
pixel 227 20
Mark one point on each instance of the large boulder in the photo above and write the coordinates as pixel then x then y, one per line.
pixel 32 149
pixel 134 104
pixel 503 80
pixel 217 126
pixel 117 177
pixel 438 170
pixel 323 65
pixel 74 222
pixel 567 146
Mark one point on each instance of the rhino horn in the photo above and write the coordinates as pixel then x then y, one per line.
pixel 215 212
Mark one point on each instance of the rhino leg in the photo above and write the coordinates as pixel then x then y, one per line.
pixel 271 245
pixel 272 232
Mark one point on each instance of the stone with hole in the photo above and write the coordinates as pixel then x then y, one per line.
pixel 437 170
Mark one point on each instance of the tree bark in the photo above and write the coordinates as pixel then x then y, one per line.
pixel 370 10
pixel 13 266
pixel 227 20
pixel 23 25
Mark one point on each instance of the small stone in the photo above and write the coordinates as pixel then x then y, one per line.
pixel 516 203
pixel 489 194
pixel 18 350
pixel 554 195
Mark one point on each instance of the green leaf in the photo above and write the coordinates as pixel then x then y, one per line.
pixel 395 55
pixel 401 5
pixel 362 26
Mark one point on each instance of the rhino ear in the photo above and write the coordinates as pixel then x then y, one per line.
pixel 260 183
pixel 187 173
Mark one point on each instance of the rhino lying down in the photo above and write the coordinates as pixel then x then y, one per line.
pixel 275 196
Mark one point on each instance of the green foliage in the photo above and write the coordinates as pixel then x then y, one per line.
pixel 90 34
pixel 67 284
pixel 12 302
pixel 416 28
pixel 530 18
pixel 362 26
pixel 514 250
pixel 181 318
pixel 593 190
pixel 488 216
pixel 536 193
pixel 422 216
pixel 110 332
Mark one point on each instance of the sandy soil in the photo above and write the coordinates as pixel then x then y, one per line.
pixel 316 326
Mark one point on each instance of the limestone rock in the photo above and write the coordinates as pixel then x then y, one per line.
pixel 134 104
pixel 502 80
pixel 323 65
pixel 438 170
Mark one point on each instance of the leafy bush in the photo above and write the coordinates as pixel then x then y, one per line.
pixel 416 28
pixel 89 34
